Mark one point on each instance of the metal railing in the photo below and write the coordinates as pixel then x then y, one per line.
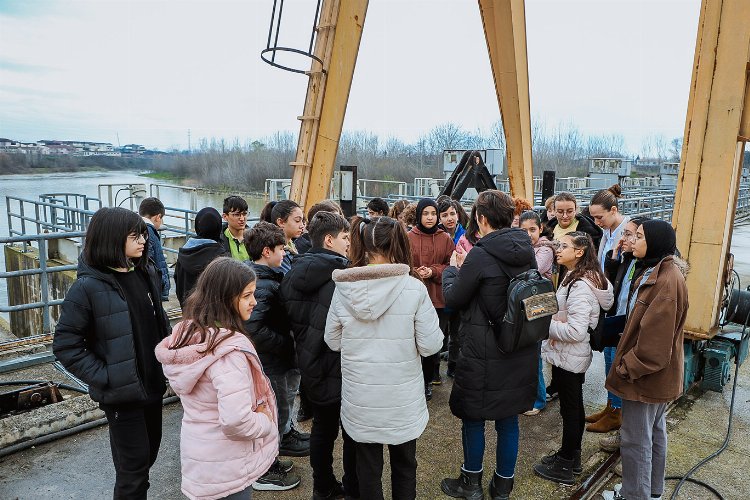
pixel 47 216
pixel 135 193
pixel 44 270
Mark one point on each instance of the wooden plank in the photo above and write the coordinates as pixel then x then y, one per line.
pixel 711 159
pixel 504 24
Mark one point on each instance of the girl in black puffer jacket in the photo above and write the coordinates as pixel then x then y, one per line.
pixel 489 385
pixel 111 321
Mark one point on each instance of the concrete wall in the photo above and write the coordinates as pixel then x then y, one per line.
pixel 27 289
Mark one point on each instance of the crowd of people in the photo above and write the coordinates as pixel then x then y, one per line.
pixel 353 317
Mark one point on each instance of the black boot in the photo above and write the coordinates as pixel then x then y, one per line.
pixel 559 471
pixel 577 469
pixel 468 486
pixel 500 487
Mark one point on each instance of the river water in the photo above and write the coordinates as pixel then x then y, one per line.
pixel 31 186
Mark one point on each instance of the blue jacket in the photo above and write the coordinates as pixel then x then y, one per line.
pixel 156 255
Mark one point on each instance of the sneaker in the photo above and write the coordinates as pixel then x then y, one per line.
pixel 551 396
pixel 532 412
pixel 336 492
pixel 436 380
pixel 302 436
pixel 285 464
pixel 304 414
pixel 577 468
pixel 610 443
pixel 276 480
pixel 428 391
pixel 613 494
pixel 293 446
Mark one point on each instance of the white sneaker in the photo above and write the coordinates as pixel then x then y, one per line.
pixel 613 494
pixel 532 412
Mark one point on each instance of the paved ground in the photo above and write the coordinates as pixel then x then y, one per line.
pixel 80 467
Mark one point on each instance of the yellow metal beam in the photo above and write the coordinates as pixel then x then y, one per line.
pixel 712 156
pixel 505 30
pixel 337 45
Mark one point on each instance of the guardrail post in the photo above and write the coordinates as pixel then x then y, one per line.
pixel 44 283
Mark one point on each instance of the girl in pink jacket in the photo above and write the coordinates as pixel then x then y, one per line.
pixel 229 432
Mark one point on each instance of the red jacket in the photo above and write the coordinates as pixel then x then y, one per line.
pixel 433 251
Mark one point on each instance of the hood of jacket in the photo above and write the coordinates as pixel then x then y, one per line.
pixel 86 270
pixel 371 290
pixel 196 253
pixel 511 246
pixel 313 269
pixel 604 297
pixel 543 241
pixel 186 365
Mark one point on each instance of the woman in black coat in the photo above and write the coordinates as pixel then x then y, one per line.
pixel 111 321
pixel 489 385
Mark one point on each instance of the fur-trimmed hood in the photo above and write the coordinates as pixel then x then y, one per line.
pixel 371 290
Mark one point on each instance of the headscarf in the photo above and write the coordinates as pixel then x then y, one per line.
pixel 424 203
pixel 208 224
pixel 661 241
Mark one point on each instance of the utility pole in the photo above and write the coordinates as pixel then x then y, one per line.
pixel 190 148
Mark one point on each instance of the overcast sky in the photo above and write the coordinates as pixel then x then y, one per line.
pixel 150 70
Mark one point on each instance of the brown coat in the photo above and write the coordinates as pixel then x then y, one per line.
pixel 433 251
pixel 649 363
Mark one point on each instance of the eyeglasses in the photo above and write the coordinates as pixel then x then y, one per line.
pixel 136 237
pixel 627 235
pixel 238 215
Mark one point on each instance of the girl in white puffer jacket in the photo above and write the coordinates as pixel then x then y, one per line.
pixel 382 320
pixel 582 294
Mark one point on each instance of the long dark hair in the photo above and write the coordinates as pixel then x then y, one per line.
pixel 588 265
pixel 471 227
pixel 212 303
pixel 380 235
pixel 106 235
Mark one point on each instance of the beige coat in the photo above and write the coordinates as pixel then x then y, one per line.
pixel 382 321
pixel 649 363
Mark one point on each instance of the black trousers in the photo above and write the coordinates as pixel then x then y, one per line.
pixel 403 470
pixel 134 436
pixel 570 387
pixel 454 343
pixel 325 430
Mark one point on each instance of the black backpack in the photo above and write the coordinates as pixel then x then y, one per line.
pixel 531 304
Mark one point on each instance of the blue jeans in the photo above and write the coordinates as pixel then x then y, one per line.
pixel 285 386
pixel 609 357
pixel 541 389
pixel 472 436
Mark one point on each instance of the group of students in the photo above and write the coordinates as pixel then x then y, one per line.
pixel 354 315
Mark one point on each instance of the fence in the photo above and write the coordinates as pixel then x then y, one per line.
pixel 45 303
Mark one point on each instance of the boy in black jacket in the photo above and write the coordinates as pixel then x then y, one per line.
pixel 307 290
pixel 269 330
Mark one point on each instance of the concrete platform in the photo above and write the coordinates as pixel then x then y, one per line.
pixel 80 466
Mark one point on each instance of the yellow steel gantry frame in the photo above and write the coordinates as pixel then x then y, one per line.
pixel 716 129
pixel 337 43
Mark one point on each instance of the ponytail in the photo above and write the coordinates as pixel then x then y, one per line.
pixel 382 236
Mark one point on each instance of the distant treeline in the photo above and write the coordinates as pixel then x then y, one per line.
pixel 247 164
pixel 29 164
pixel 563 148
